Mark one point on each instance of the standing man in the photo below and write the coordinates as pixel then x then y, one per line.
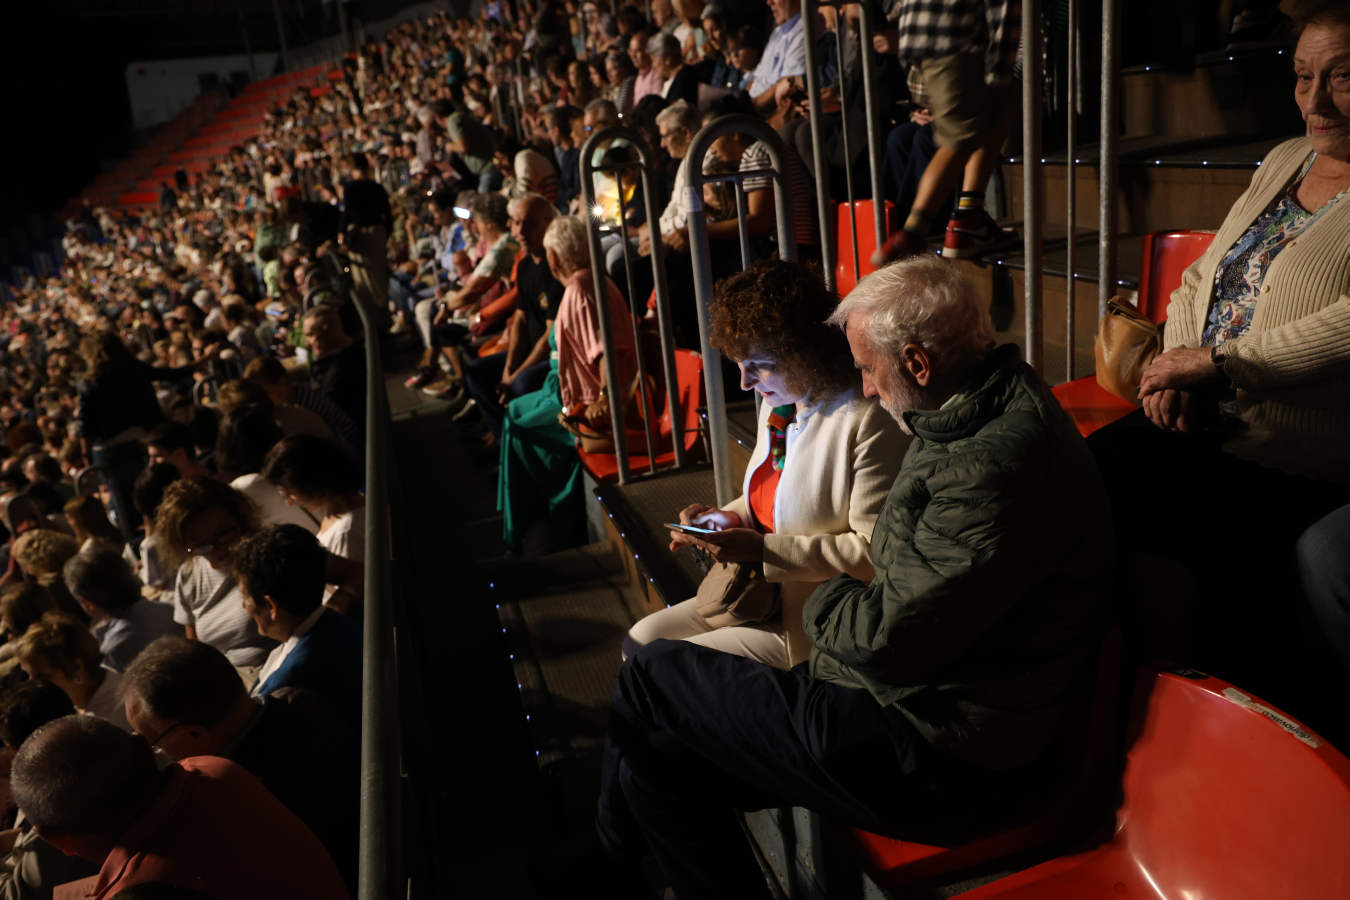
pixel 964 51
pixel 364 228
pixel 933 691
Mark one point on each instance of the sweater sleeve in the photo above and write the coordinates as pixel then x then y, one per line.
pixel 876 448
pixel 1307 349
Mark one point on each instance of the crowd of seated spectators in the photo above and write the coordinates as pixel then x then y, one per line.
pixel 183 408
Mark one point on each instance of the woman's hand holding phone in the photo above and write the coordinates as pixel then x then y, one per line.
pixel 702 516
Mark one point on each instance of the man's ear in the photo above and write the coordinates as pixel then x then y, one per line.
pixel 272 608
pixel 914 359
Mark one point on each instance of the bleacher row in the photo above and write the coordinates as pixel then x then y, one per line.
pixel 198 136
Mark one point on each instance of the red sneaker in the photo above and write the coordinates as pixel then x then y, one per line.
pixel 898 246
pixel 973 235
pixel 421 378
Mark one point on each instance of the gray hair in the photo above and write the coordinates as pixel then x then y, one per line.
pixel 921 300
pixel 680 114
pixel 663 46
pixel 99 575
pixel 566 238
pixel 604 109
pixel 82 775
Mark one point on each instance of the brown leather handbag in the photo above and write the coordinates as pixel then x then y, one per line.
pixel 1126 343
pixel 736 594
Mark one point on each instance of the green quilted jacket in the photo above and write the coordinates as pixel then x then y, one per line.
pixel 991 555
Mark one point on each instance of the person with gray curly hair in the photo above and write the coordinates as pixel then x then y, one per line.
pixel 934 691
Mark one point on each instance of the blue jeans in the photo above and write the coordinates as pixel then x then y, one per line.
pixel 482 375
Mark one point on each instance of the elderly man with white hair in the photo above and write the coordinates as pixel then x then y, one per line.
pixel 932 693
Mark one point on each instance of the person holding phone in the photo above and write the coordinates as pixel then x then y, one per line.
pixel 824 460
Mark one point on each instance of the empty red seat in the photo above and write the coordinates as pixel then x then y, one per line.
pixel 1224 798
pixel 845 279
pixel 1165 256
pixel 689 376
pixel 138 198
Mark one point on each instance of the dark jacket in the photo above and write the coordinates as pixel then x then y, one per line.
pixel 327 661
pixel 991 556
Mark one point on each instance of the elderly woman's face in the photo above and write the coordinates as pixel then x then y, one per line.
pixel 1322 87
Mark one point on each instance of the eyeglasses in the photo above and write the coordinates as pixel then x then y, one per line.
pixel 222 539
pixel 154 745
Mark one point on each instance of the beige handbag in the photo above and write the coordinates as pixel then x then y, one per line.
pixel 736 594
pixel 1126 343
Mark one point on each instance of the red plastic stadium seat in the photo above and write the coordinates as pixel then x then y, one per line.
pixel 689 373
pixel 1224 798
pixel 867 241
pixel 138 198
pixel 1165 256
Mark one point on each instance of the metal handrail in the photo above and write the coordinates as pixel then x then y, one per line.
pixel 379 857
pixel 663 314
pixel 828 249
pixel 1071 194
pixel 702 262
pixel 1032 179
pixel 1109 166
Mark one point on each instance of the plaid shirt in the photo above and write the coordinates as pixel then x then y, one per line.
pixel 933 28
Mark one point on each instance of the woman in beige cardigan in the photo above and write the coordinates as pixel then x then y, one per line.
pixel 1244 436
pixel 823 463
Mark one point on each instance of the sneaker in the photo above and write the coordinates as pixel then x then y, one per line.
pixel 973 235
pixel 419 379
pixel 441 388
pixel 898 246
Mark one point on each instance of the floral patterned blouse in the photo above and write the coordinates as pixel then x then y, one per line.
pixel 1237 283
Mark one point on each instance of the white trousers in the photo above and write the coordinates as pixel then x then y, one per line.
pixel 681 622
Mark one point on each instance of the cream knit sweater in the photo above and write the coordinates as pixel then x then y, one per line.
pixel 1292 367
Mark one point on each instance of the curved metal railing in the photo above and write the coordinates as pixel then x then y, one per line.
pixel 663 315
pixel 828 248
pixel 702 260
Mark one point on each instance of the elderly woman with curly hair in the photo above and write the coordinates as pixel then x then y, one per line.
pixel 823 463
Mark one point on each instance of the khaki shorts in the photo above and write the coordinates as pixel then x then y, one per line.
pixel 964 107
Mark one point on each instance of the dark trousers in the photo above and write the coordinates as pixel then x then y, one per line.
pixel 909 149
pixel 696 736
pixel 481 377
pixel 122 463
pixel 1233 525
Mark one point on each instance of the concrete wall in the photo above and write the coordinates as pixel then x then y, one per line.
pixel 159 89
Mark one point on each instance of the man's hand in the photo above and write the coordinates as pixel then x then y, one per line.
pixel 921 116
pixel 442 315
pixel 677 240
pixel 1184 367
pixel 644 240
pixel 886 41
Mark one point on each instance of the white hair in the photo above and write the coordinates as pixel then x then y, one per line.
pixel 680 114
pixel 663 46
pixel 566 238
pixel 925 301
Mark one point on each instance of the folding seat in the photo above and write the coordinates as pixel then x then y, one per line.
pixel 1224 798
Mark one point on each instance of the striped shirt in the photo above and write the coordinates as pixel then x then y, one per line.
pixel 934 28
pixel 800 191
